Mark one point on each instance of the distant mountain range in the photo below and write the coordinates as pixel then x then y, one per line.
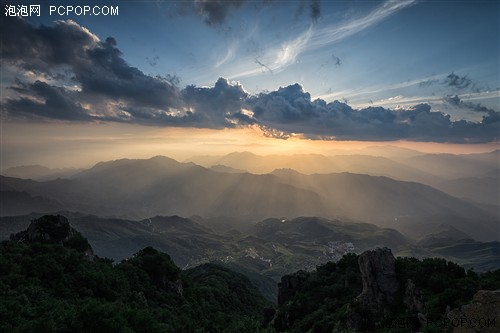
pixel 381 160
pixel 139 189
pixel 40 172
pixel 450 173
pixel 266 216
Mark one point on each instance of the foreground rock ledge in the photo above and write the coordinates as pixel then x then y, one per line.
pixel 481 315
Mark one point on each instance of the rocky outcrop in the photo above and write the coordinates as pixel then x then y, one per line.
pixel 378 273
pixel 48 228
pixel 290 285
pixel 380 289
pixel 54 229
pixel 481 315
pixel 414 302
pixel 413 299
pixel 160 268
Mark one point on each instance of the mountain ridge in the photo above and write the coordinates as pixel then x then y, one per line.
pixel 162 186
pixel 270 247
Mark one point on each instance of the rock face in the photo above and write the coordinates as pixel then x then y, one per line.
pixel 414 302
pixel 54 229
pixel 48 228
pixel 413 299
pixel 290 285
pixel 380 289
pixel 378 273
pixel 481 315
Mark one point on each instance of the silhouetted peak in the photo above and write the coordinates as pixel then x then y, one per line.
pixel 125 161
pixel 162 159
pixel 160 268
pixel 49 228
pixel 242 154
pixel 286 172
pixel 54 229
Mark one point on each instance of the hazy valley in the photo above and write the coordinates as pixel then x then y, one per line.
pixel 273 215
pixel 367 188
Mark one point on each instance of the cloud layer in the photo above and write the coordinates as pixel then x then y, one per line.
pixel 66 73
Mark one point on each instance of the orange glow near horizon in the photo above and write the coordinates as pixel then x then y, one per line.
pixel 83 145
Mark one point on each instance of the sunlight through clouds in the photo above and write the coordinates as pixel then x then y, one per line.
pixel 269 65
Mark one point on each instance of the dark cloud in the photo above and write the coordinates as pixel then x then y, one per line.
pixel 492 117
pixel 42 49
pixel 216 107
pixel 81 78
pixel 455 82
pixel 290 110
pixel 453 100
pixel 152 61
pixel 171 79
pixel 213 12
pixel 336 60
pixel 315 10
pixel 105 83
pixel 458 82
pixel 71 53
pixel 111 76
pixel 43 100
pixel 456 101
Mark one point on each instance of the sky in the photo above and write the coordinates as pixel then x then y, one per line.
pixel 180 78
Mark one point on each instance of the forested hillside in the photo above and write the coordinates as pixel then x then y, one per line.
pixel 50 282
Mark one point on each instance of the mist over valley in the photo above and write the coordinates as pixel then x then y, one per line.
pixel 273 214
